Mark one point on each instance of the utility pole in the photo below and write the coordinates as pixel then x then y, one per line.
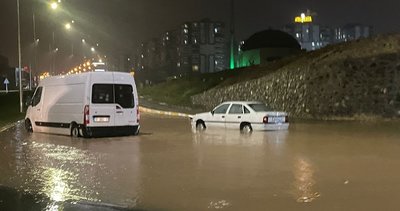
pixel 232 31
pixel 35 45
pixel 21 106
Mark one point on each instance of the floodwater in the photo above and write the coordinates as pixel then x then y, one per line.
pixel 313 166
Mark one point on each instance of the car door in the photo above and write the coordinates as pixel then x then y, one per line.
pixel 218 115
pixel 234 116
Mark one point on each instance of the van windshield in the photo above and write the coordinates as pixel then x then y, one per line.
pixel 120 94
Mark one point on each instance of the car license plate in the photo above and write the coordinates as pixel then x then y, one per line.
pixel 277 119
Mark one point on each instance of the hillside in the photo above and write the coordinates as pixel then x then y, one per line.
pixel 345 80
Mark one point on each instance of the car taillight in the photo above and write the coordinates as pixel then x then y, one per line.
pixel 286 119
pixel 265 120
pixel 86 119
pixel 138 115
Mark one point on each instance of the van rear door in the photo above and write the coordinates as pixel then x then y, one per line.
pixel 125 113
pixel 102 108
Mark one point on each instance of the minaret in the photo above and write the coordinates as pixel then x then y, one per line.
pixel 232 33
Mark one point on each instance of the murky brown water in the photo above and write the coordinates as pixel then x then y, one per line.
pixel 313 166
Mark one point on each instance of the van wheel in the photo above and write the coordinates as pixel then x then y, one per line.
pixel 75 130
pixel 136 131
pixel 246 128
pixel 28 125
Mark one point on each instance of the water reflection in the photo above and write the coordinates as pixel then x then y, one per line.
pixel 304 181
pixel 235 137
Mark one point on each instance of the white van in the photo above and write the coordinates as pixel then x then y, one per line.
pixel 89 104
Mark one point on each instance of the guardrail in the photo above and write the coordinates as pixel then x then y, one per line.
pixel 9 91
pixel 168 113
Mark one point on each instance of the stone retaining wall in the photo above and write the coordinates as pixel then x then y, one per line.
pixel 347 80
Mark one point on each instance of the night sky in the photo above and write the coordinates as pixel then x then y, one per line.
pixel 120 25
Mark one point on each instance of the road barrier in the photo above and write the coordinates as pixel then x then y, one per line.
pixel 168 113
pixel 9 126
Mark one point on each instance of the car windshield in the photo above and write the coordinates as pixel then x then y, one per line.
pixel 259 107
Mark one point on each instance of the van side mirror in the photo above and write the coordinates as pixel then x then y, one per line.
pixel 28 101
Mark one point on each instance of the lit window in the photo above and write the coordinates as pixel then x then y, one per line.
pixel 216 30
pixel 178 64
pixel 216 62
pixel 195 41
pixel 298 35
pixel 185 41
pixel 186 31
pixel 142 56
pixel 195 68
pixel 167 38
pixel 313 44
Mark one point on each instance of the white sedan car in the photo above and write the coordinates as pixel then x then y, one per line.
pixel 246 116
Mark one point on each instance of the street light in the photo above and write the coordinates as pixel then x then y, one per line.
pixel 19 60
pixel 54 5
pixel 92 49
pixel 68 26
pixel 83 40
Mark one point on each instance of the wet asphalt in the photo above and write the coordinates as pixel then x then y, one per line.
pixel 313 166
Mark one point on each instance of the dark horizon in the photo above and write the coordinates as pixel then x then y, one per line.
pixel 120 25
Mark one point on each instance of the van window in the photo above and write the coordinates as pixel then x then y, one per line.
pixel 103 93
pixel 124 96
pixel 36 98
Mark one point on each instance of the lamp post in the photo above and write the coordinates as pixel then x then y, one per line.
pixel 19 62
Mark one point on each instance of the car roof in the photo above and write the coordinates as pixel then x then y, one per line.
pixel 243 102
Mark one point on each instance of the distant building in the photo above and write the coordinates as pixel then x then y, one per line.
pixel 312 36
pixel 194 47
pixel 352 32
pixel 267 46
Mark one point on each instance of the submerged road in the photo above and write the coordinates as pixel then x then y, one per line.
pixel 313 166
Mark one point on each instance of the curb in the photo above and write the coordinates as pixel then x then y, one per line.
pixel 9 126
pixel 167 113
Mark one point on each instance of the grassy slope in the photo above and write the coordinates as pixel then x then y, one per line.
pixel 179 91
pixel 9 108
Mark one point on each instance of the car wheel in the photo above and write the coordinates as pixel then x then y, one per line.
pixel 200 126
pixel 28 126
pixel 75 131
pixel 246 128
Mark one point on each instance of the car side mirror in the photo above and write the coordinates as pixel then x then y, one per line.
pixel 212 113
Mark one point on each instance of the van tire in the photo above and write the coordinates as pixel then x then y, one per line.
pixel 75 130
pixel 28 126
pixel 136 131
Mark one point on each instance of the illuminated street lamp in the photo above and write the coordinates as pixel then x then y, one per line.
pixel 83 41
pixel 92 49
pixel 54 5
pixel 68 26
